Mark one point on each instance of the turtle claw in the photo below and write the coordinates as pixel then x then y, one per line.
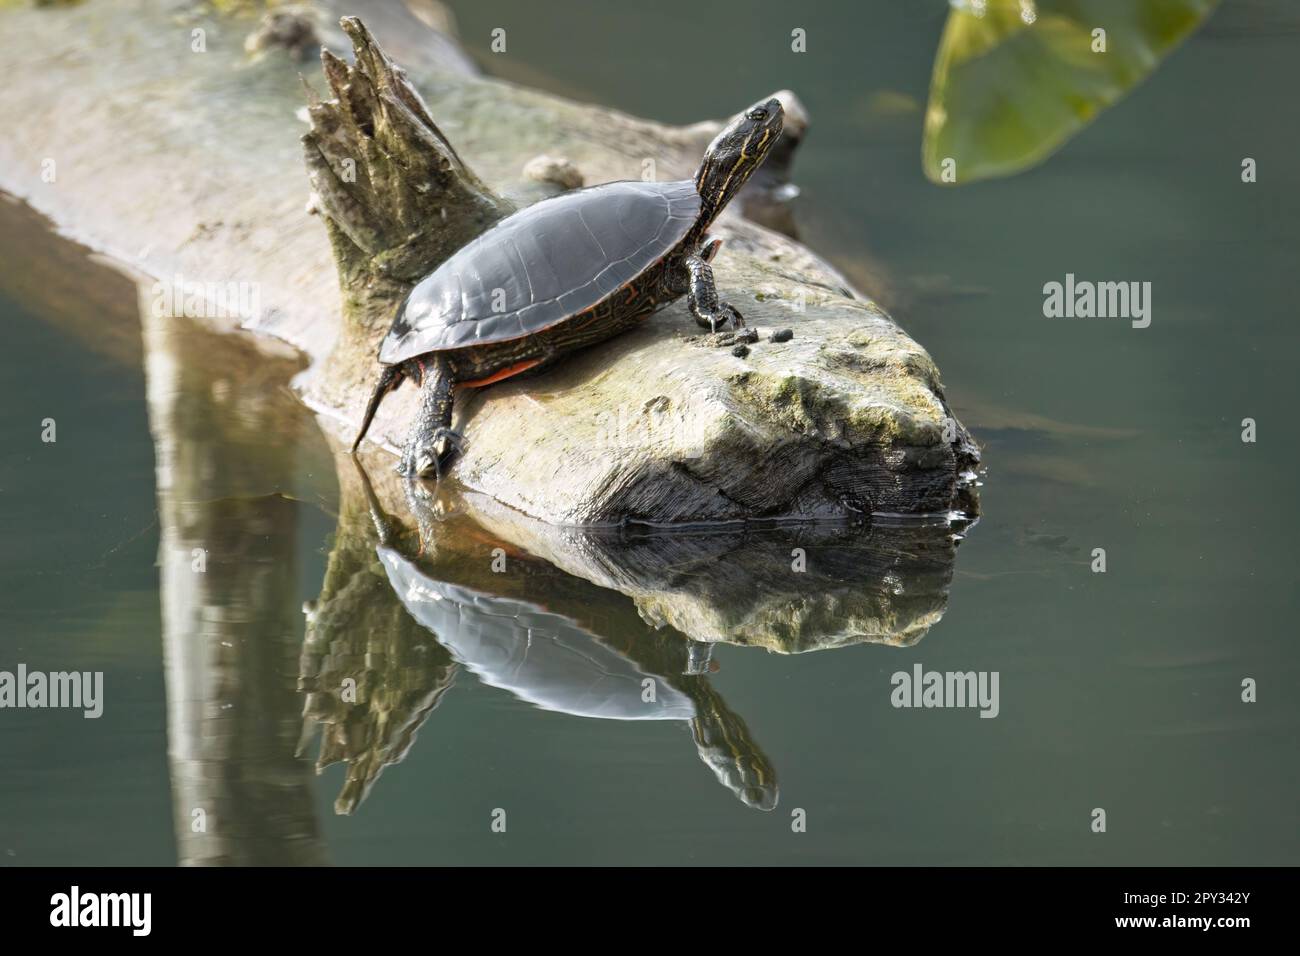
pixel 432 457
pixel 726 313
pixel 455 439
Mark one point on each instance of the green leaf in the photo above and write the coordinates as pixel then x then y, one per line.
pixel 1014 79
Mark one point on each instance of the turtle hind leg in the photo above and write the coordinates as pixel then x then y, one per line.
pixel 702 297
pixel 432 441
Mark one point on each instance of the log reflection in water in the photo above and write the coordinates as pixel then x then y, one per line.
pixel 626 627
pixel 227 436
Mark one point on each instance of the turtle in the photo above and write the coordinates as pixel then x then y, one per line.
pixel 562 274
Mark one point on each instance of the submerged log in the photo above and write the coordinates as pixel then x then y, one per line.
pixel 186 162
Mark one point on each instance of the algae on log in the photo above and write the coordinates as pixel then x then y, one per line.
pixel 182 163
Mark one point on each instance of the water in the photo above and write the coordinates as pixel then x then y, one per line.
pixel 1119 690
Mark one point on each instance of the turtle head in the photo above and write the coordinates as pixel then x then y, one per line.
pixel 735 153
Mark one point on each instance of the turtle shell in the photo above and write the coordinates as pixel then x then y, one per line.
pixel 542 265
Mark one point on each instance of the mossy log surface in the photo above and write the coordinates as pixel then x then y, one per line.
pixel 189 163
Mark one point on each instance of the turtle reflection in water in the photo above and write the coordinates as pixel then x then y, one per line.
pixel 552 662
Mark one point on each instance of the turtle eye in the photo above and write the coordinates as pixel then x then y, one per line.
pixel 758 113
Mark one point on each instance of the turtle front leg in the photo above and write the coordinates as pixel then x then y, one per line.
pixel 702 293
pixel 432 440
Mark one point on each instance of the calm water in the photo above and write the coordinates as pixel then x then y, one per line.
pixel 1118 690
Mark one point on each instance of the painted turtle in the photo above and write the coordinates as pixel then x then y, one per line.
pixel 565 273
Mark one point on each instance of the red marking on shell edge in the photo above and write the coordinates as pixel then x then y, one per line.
pixel 504 373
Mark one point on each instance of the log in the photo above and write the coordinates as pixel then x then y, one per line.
pixel 181 162
pixel 373 666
